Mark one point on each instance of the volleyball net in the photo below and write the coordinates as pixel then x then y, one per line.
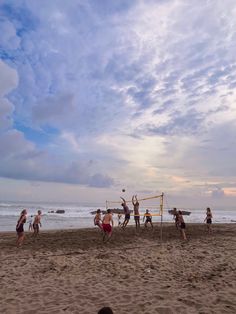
pixel 153 203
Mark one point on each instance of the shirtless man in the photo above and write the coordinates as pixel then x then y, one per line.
pixel 126 212
pixel 98 219
pixel 107 224
pixel 37 223
pixel 136 211
pixel 148 218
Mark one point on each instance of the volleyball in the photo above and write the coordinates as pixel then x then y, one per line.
pixel 123 190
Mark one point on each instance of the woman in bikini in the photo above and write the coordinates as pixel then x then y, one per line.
pixel 98 219
pixel 208 219
pixel 20 228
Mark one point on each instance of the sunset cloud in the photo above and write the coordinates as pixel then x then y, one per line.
pixel 104 94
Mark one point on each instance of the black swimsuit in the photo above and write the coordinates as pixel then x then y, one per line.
pixel 127 216
pixel 148 219
pixel 36 226
pixel 209 221
pixel 20 228
pixel 136 216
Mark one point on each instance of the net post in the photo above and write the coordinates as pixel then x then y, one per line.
pixel 106 205
pixel 161 207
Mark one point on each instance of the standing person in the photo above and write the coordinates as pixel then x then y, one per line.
pixel 37 223
pixel 148 218
pixel 107 224
pixel 30 222
pixel 208 219
pixel 119 216
pixel 182 224
pixel 20 228
pixel 98 219
pixel 136 211
pixel 176 217
pixel 126 212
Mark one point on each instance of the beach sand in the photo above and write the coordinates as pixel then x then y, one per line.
pixel 72 271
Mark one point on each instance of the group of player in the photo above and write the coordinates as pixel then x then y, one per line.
pixel 180 224
pixel 106 223
pixel 34 224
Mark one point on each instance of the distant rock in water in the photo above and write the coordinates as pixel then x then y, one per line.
pixel 60 211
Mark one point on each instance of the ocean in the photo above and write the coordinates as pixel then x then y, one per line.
pixel 79 216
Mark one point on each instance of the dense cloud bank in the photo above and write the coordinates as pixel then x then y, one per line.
pixel 100 93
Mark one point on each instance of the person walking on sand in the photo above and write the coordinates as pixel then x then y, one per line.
pixel 37 223
pixel 182 225
pixel 148 218
pixel 136 211
pixel 20 228
pixel 208 219
pixel 107 224
pixel 126 213
pixel 98 219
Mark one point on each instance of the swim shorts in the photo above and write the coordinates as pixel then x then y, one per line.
pixel 107 228
pixel 36 227
pixel 127 216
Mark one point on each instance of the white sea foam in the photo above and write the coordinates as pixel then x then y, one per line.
pixel 78 216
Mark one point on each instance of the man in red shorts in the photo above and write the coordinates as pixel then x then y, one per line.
pixel 107 224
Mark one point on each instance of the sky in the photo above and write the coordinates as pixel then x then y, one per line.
pixel 97 96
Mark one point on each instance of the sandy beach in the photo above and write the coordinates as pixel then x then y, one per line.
pixel 72 271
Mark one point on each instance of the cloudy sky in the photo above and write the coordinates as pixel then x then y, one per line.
pixel 100 95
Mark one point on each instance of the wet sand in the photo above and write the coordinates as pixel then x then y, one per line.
pixel 73 271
